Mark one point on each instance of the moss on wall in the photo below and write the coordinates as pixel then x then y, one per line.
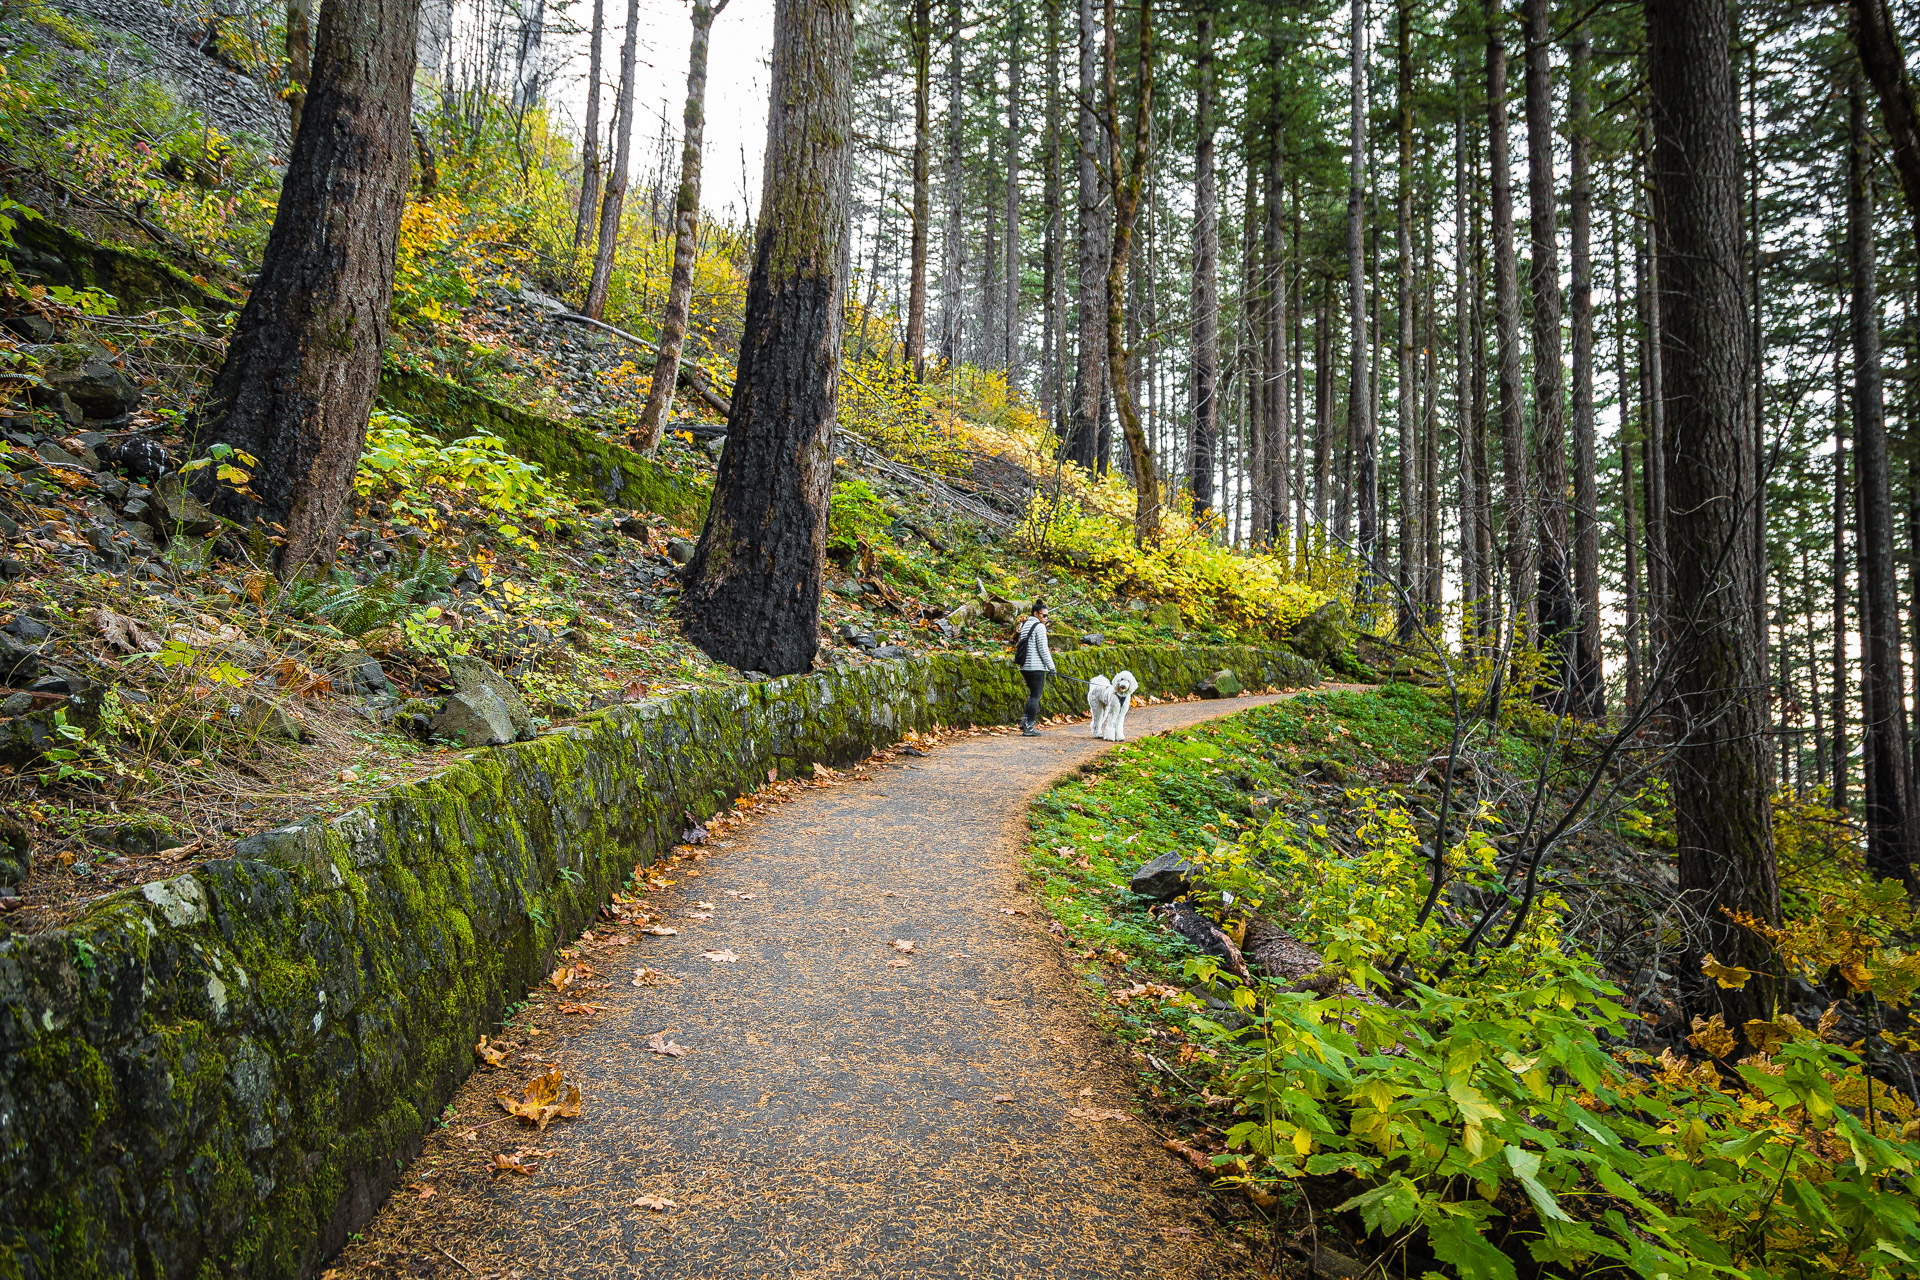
pixel 139 280
pixel 615 475
pixel 222 1074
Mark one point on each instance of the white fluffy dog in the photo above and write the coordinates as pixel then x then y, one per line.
pixel 1107 703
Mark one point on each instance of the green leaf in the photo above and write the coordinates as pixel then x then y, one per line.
pixel 1526 1167
pixel 1458 1240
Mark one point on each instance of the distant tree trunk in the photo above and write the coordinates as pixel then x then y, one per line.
pixel 1083 446
pixel 753 587
pixel 1360 430
pixel 1629 517
pixel 1016 60
pixel 686 232
pixel 1876 38
pixel 1053 274
pixel 1206 257
pixel 1890 811
pixel 616 198
pixel 1466 422
pixel 1253 307
pixel 1322 408
pixel 1126 204
pixel 303 364
pixel 299 58
pixel 1278 432
pixel 1653 446
pixel 920 37
pixel 1840 558
pixel 954 250
pixel 1506 324
pixel 1721 783
pixel 1410 510
pixel 528 55
pixel 433 38
pixel 1555 607
pixel 1589 688
pixel 590 144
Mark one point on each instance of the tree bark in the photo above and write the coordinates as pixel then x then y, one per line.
pixel 1890 811
pixel 1506 323
pixel 590 143
pixel 753 587
pixel 1555 606
pixel 615 201
pixel 299 59
pixel 1466 422
pixel 1410 508
pixel 1722 768
pixel 1876 38
pixel 1016 60
pixel 1629 516
pixel 1206 258
pixel 1840 558
pixel 528 53
pixel 1322 408
pixel 920 39
pixel 303 365
pixel 1589 690
pixel 954 250
pixel 1278 432
pixel 686 232
pixel 1126 203
pixel 1053 275
pixel 1083 445
pixel 1360 430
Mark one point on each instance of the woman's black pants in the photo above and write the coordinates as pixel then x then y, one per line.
pixel 1036 681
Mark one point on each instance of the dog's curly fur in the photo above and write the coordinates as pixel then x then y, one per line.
pixel 1107 703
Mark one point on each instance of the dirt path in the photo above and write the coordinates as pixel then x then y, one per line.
pixel 836 1113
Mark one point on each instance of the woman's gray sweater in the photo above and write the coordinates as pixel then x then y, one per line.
pixel 1034 653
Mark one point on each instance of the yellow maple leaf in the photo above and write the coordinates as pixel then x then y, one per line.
pixel 1730 976
pixel 1712 1036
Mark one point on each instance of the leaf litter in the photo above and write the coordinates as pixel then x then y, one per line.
pixel 546 1097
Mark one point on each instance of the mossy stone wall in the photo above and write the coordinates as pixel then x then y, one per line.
pixel 222 1074
pixel 49 253
pixel 615 475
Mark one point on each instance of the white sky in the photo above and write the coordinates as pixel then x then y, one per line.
pixel 737 57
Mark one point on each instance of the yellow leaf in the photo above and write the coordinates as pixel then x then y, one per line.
pixel 488 1054
pixel 1712 1037
pixel 546 1097
pixel 1731 976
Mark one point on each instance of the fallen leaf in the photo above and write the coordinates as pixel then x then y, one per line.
pixel 652 978
pixel 504 1163
pixel 488 1054
pixel 898 962
pixel 699 915
pixel 128 635
pixel 1056 928
pixel 659 1204
pixel 569 1006
pixel 547 1096
pixel 1003 1097
pixel 1015 911
pixel 720 957
pixel 618 940
pixel 426 1193
pixel 658 1043
pixel 660 930
pixel 704 906
pixel 902 945
pixel 561 978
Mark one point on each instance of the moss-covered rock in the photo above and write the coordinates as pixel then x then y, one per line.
pixel 48 253
pixel 222 1074
pixel 615 475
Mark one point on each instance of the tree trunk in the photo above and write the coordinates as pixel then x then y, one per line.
pixel 1629 517
pixel 1840 558
pixel 303 364
pixel 753 587
pixel 616 198
pixel 920 37
pixel 1322 408
pixel 1360 434
pixel 1126 204
pixel 1465 422
pixel 1555 607
pixel 1410 536
pixel 1589 689
pixel 1083 446
pixel 1254 314
pixel 1279 464
pixel 1206 257
pixel 1053 282
pixel 1506 324
pixel 1721 781
pixel 1876 38
pixel 590 143
pixel 433 38
pixel 1016 59
pixel 1890 810
pixel 1653 450
pixel 954 251
pixel 686 232
pixel 299 59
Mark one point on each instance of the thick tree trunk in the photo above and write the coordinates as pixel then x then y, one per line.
pixel 1016 59
pixel 1126 205
pixel 920 37
pixel 1722 769
pixel 1206 259
pixel 304 361
pixel 1053 275
pixel 1555 607
pixel 590 141
pixel 1876 38
pixel 1360 429
pixel 1089 390
pixel 1653 451
pixel 753 587
pixel 1410 508
pixel 1516 524
pixel 953 252
pixel 686 232
pixel 1890 810
pixel 1589 690
pixel 615 201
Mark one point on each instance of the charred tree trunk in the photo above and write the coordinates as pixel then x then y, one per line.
pixel 921 39
pixel 1411 538
pixel 753 587
pixel 1360 431
pixel 1016 59
pixel 1206 259
pixel 686 232
pixel 303 365
pixel 1466 423
pixel 1506 323
pixel 1589 691
pixel 1089 391
pixel 953 252
pixel 1053 275
pixel 1555 606
pixel 616 198
pixel 1840 558
pixel 1126 204
pixel 1722 766
pixel 590 142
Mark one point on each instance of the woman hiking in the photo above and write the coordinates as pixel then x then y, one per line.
pixel 1035 661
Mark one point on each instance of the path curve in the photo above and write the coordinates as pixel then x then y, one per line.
pixel 836 1115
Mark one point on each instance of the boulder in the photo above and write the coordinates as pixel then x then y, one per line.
pixel 471 675
pixel 1163 879
pixel 173 511
pixel 1322 634
pixel 358 672
pixel 1093 638
pixel 19 662
pixel 25 629
pixel 1221 684
pixel 16 849
pixel 1165 614
pixel 475 719
pixel 265 717
pixel 100 390
pixel 891 651
pixel 680 550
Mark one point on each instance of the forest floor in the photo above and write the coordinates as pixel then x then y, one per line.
pixel 862 1053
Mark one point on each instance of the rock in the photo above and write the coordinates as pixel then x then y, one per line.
pixel 174 511
pixel 43 397
pixel 1331 770
pixel 634 527
pixel 54 456
pixel 11 569
pixel 1093 637
pixel 1163 879
pixel 1221 684
pixel 715 447
pixel 680 550
pixel 26 630
pixel 850 634
pixel 111 485
pixel 100 390
pixel 1201 932
pixel 576 639
pixel 1164 614
pixel 1322 634
pixel 141 456
pixel 32 328
pixel 891 651
pixel 135 838
pixel 16 851
pixel 263 717
pixel 471 675
pixel 358 672
pixel 475 719
pixel 18 661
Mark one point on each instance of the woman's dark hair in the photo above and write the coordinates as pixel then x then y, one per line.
pixel 1039 607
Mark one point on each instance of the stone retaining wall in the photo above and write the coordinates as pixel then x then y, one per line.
pixel 222 1074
